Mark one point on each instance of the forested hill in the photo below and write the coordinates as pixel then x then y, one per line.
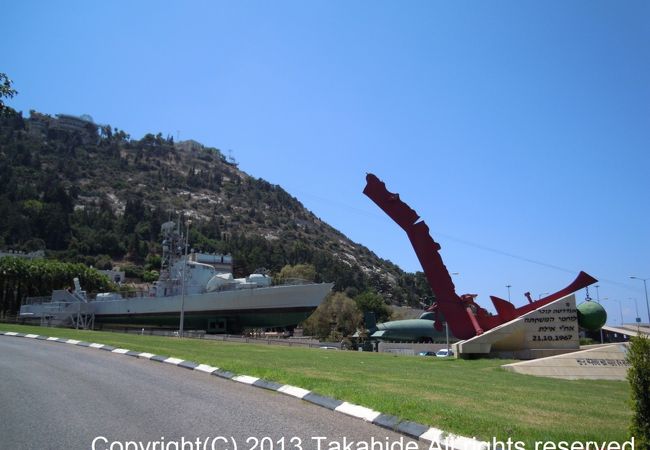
pixel 91 194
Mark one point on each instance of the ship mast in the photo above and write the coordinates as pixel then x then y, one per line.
pixel 171 249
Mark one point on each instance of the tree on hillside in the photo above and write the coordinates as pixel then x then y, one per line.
pixel 305 272
pixel 338 316
pixel 6 91
pixel 371 301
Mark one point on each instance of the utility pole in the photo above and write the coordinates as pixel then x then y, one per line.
pixel 182 324
pixel 645 287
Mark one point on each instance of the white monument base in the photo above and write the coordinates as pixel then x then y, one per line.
pixel 601 363
pixel 547 331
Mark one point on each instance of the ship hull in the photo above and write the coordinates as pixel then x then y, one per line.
pixel 210 321
pixel 215 312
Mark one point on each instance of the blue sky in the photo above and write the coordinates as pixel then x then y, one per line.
pixel 520 131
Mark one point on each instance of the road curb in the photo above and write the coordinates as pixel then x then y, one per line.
pixel 414 430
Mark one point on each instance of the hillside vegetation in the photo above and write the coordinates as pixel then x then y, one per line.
pixel 94 195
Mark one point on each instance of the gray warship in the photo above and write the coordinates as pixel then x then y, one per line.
pixel 202 285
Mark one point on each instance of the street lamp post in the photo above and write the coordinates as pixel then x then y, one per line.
pixel 637 319
pixel 620 308
pixel 508 286
pixel 645 287
pixel 181 326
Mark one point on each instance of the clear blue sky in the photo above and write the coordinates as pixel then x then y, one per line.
pixel 520 131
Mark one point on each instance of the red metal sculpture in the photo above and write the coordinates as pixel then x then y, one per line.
pixel 465 317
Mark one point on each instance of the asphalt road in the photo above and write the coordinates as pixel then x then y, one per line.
pixel 58 396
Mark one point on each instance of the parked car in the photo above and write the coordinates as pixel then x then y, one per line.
pixel 427 354
pixel 445 352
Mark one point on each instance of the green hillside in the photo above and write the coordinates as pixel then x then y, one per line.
pixel 91 194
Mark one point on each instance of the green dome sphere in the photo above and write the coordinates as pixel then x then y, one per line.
pixel 591 315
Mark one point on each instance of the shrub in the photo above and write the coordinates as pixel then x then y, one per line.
pixel 133 271
pixel 150 276
pixel 638 375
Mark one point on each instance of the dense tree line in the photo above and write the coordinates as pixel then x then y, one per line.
pixel 20 278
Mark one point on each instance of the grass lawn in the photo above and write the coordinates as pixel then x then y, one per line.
pixel 472 398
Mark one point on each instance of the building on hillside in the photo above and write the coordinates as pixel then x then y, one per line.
pixel 190 146
pixel 83 126
pixel 115 275
pixel 38 124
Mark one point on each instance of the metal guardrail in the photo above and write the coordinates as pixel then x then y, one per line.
pixel 201 334
pixel 9 319
pixel 272 341
pixel 293 282
pixel 36 300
